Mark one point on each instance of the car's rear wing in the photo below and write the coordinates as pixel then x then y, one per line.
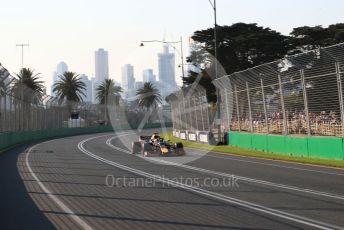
pixel 145 138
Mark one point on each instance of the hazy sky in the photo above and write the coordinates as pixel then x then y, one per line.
pixel 71 30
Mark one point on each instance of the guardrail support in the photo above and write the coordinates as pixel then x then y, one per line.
pixel 340 94
pixel 249 107
pixel 264 105
pixel 303 84
pixel 201 105
pixel 285 125
pixel 237 106
pixel 227 110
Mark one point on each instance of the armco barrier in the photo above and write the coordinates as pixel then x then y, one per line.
pixel 13 138
pixel 314 147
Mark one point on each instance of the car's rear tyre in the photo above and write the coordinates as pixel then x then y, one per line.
pixel 146 149
pixel 136 147
pixel 179 145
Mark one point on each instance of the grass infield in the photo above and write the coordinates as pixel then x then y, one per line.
pixel 230 150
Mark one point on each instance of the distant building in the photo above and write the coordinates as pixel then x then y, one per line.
pixel 128 81
pixel 60 69
pixel 94 84
pixel 88 92
pixel 101 70
pixel 118 84
pixel 138 85
pixel 148 75
pixel 101 65
pixel 167 82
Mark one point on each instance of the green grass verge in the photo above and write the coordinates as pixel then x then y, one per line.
pixel 253 153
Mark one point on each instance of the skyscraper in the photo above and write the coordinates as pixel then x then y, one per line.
pixel 101 70
pixel 148 75
pixel 60 69
pixel 167 81
pixel 101 65
pixel 138 85
pixel 88 92
pixel 128 80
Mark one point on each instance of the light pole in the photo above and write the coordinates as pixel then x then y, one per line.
pixel 213 5
pixel 170 43
pixel 22 53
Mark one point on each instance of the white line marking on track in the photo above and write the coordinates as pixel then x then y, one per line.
pixel 54 198
pixel 231 200
pixel 267 183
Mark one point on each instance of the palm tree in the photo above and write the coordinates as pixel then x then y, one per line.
pixel 27 89
pixel 148 96
pixel 105 91
pixel 69 88
pixel 27 86
pixel 108 88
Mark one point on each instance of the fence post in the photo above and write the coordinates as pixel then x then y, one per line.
pixel 340 94
pixel 36 117
pixel 190 113
pixel 5 125
pixel 186 118
pixel 264 105
pixel 237 106
pixel 305 101
pixel 196 112
pixel 176 114
pixel 45 115
pixel 249 107
pixel 8 115
pixel 33 117
pixel 19 108
pixel 16 112
pixel 30 122
pixel 208 117
pixel 10 118
pixel 285 126
pixel 180 126
pixel 227 110
pixel 201 106
pixel 180 114
pixel 172 116
pixel 14 120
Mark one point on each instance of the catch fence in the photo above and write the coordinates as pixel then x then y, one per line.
pixel 297 95
pixel 22 109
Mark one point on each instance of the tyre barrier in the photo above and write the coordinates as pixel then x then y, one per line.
pixel 205 137
pixel 182 135
pixel 192 136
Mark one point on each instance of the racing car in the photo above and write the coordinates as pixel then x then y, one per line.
pixel 155 145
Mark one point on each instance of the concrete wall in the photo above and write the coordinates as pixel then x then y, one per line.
pixel 13 138
pixel 315 147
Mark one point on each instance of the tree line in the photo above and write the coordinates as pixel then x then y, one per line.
pixel 28 89
pixel 245 45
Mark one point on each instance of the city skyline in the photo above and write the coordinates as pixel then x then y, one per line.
pixel 167 76
pixel 60 69
pixel 88 25
pixel 101 61
pixel 128 80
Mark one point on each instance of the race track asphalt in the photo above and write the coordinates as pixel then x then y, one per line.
pixel 93 182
